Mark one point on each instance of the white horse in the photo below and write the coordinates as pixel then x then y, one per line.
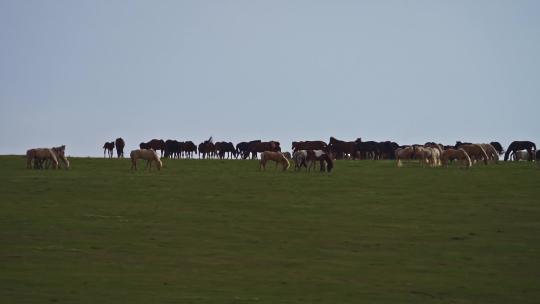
pixel 147 154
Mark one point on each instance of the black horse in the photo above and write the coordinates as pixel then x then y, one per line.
pixel 521 145
pixel 497 147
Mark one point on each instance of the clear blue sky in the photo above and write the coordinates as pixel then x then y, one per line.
pixel 81 73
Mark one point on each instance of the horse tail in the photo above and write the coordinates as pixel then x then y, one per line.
pixel 467 158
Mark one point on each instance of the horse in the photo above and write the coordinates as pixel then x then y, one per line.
pixel 491 152
pixel 172 149
pixel 155 144
pixel 367 149
pixel 260 147
pixel 459 154
pixel 342 148
pixel 387 149
pixel 225 149
pixel 521 145
pixel 108 148
pixel 309 145
pixel 120 144
pixel 188 148
pixel 424 155
pixel 287 155
pixel 146 154
pixel 325 161
pixel 278 157
pixel 300 159
pixel 476 152
pixel 520 155
pixel 498 147
pixel 404 153
pixel 60 153
pixel 207 148
pixel 38 156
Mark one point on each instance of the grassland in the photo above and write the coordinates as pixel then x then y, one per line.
pixel 222 232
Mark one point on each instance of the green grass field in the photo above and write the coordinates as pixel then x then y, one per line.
pixel 222 232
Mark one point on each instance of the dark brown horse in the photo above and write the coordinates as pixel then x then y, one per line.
pixel 154 144
pixel 521 145
pixel 207 149
pixel 342 148
pixel 120 144
pixel 308 145
pixel 108 147
pixel 260 147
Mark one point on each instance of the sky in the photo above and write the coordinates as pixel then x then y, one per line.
pixel 80 73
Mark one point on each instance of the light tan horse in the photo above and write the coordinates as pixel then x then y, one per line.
pixel 458 154
pixel 40 155
pixel 60 153
pixel 476 152
pixel 278 157
pixel 491 152
pixel 406 153
pixel 147 154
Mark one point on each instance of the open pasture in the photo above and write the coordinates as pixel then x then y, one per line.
pixel 211 231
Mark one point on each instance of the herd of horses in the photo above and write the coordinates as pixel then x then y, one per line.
pixel 306 154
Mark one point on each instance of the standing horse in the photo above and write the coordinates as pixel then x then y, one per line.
pixel 341 149
pixel 300 159
pixel 108 148
pixel 308 145
pixel 259 147
pixel 521 145
pixel 60 153
pixel 273 156
pixel 148 155
pixel 120 144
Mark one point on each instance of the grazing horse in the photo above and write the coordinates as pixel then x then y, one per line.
pixel 60 153
pixel 521 145
pixel 120 144
pixel 325 160
pixel 491 152
pixel 278 157
pixel 459 154
pixel 108 148
pixel 341 148
pixel 476 152
pixel 405 153
pixel 497 147
pixel 40 155
pixel 146 154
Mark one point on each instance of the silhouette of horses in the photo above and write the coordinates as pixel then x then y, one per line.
pixel 108 147
pixel 172 149
pixel 521 145
pixel 367 149
pixel 259 147
pixel 120 144
pixel 155 144
pixel 225 149
pixel 207 149
pixel 187 149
